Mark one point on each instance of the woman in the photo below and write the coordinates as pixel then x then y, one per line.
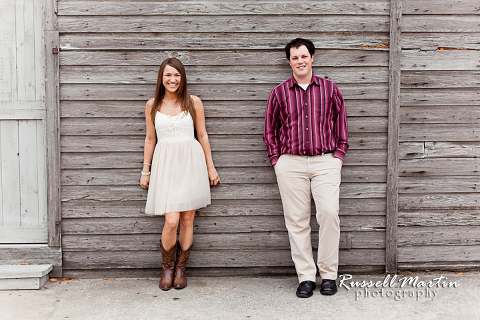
pixel 182 169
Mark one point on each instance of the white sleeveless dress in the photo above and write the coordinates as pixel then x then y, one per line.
pixel 179 178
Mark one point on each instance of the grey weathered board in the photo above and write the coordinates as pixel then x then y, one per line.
pixel 329 58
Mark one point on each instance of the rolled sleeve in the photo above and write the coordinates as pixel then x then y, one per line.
pixel 339 154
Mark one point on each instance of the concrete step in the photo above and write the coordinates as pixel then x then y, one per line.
pixel 15 277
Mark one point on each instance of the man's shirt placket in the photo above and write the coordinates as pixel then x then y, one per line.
pixel 306 116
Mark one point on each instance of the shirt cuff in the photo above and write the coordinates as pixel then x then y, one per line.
pixel 274 159
pixel 339 154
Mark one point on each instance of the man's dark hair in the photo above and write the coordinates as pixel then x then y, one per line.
pixel 297 43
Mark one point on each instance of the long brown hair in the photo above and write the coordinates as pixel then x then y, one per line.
pixel 186 103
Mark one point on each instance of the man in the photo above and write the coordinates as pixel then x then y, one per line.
pixel 307 138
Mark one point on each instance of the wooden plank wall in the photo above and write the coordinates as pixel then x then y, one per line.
pixel 439 225
pixel 233 52
pixel 23 207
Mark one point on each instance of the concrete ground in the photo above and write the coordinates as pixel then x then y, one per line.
pixel 248 298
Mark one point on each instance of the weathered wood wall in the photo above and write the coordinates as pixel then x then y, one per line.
pixel 233 52
pixel 23 209
pixel 439 221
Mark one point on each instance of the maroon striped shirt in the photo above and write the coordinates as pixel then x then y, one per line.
pixel 306 122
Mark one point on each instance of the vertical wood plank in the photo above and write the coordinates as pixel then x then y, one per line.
pixel 27 147
pixel 10 173
pixel 8 62
pixel 1 179
pixel 50 15
pixel 393 136
pixel 52 125
pixel 42 174
pixel 39 26
pixel 29 66
pixel 21 50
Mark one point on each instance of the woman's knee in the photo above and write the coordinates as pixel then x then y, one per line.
pixel 171 225
pixel 186 221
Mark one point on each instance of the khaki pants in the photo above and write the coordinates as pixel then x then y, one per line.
pixel 300 177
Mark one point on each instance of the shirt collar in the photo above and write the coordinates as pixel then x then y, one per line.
pixel 292 81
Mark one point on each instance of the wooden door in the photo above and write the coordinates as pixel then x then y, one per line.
pixel 22 117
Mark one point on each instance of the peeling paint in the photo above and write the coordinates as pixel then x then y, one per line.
pixel 439 48
pixel 380 46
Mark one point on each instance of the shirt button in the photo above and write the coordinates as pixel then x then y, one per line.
pixel 307 129
pixel 308 142
pixel 306 116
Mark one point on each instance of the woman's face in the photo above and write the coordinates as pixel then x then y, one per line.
pixel 171 78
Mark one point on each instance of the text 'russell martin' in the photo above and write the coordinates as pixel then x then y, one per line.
pixel 396 287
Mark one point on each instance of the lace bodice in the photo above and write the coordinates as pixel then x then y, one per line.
pixel 174 128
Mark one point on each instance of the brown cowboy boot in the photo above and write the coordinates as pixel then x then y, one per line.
pixel 180 280
pixel 168 262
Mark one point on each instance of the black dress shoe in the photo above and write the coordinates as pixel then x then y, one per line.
pixel 305 289
pixel 329 287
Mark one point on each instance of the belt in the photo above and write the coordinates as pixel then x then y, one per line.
pixel 320 154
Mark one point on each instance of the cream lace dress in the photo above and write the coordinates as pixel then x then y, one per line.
pixel 179 178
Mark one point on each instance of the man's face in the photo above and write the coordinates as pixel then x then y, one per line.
pixel 301 61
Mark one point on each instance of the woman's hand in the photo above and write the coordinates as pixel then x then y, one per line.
pixel 144 181
pixel 213 176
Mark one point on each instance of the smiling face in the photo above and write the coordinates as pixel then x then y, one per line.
pixel 301 63
pixel 171 79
